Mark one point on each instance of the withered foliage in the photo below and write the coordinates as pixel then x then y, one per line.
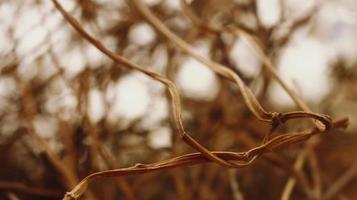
pixel 236 146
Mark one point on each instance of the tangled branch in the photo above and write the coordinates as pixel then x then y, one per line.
pixel 225 159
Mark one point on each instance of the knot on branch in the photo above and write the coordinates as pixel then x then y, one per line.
pixel 277 119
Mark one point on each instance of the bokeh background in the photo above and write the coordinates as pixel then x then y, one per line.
pixel 63 103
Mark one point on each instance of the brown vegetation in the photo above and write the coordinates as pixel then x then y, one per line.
pixel 253 152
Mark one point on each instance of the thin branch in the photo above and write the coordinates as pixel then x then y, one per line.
pixel 244 158
pixel 223 158
pixel 237 194
pixel 175 97
pixel 250 100
pixel 345 178
pixel 270 68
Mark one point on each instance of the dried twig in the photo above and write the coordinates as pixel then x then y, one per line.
pixel 244 158
pixel 226 159
pixel 270 68
pixel 341 182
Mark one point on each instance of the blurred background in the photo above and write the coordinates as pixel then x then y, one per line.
pixel 66 110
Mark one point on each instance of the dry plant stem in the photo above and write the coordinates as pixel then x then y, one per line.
pixel 267 63
pixel 222 158
pixel 69 177
pixel 109 160
pixel 170 86
pixel 249 98
pixel 291 182
pixel 198 158
pixel 279 162
pixel 23 188
pixel 298 175
pixel 183 191
pixel 296 98
pixel 272 70
pixel 298 165
pixel 315 171
pixel 237 194
pixel 66 135
pixel 350 174
pixel 12 196
pixel 94 144
pixel 223 71
pixel 121 183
